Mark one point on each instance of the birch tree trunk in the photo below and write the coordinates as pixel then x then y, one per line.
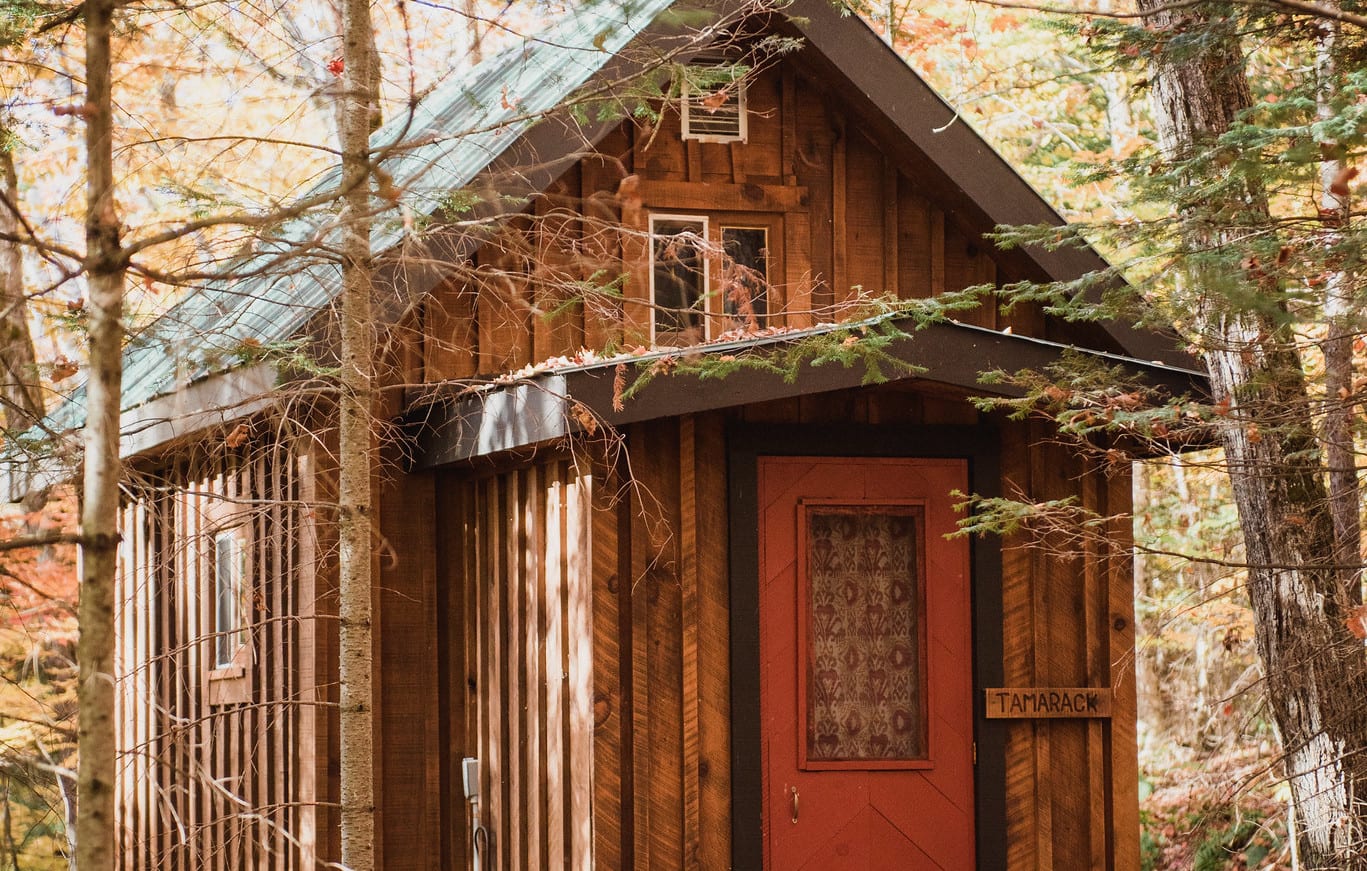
pixel 22 398
pixel 360 106
pixel 104 268
pixel 1316 674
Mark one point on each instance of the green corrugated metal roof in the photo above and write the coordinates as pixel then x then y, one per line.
pixel 459 128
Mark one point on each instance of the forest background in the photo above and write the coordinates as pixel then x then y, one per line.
pixel 227 105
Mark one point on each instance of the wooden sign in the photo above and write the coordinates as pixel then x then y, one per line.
pixel 1030 703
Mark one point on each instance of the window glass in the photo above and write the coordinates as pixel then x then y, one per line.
pixel 230 569
pixel 745 277
pixel 678 278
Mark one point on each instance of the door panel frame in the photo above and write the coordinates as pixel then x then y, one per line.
pixel 980 446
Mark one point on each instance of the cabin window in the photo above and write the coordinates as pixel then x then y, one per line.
pixel 678 278
pixel 230 580
pixel 710 275
pixel 744 277
pixel 713 101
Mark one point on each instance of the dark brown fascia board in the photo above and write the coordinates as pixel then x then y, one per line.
pixel 977 175
pixel 456 425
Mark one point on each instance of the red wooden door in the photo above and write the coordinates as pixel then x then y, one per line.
pixel 866 665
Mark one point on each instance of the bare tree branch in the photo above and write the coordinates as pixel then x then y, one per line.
pixel 41 539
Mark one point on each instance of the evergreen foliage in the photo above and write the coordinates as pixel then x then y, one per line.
pixel 1230 245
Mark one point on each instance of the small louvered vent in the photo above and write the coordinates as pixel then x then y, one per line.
pixel 714 101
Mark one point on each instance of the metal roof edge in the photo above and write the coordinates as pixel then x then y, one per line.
pixel 214 401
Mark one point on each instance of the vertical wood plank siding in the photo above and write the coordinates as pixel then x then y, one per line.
pixel 598 689
pixel 580 649
pixel 1068 620
pixel 520 623
pixel 220 773
pixel 638 564
pixel 865 228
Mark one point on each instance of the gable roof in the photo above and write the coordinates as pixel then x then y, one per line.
pixel 465 127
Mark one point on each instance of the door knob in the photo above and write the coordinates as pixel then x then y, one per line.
pixel 794 789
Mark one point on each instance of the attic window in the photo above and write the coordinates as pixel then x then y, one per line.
pixel 713 101
pixel 744 287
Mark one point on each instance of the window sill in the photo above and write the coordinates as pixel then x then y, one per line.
pixel 228 685
pixel 227 672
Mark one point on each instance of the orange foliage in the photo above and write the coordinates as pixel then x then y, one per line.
pixel 38 585
pixel 38 590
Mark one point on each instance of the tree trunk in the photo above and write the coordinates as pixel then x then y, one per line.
pixel 1339 325
pixel 7 823
pixel 1316 673
pixel 21 392
pixel 100 492
pixel 474 31
pixel 355 504
pixel 1119 118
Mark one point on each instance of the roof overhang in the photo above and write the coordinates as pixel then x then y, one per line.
pixel 208 403
pixel 211 402
pixel 452 425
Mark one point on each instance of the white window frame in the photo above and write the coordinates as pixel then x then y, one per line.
pixel 686 104
pixel 706 238
pixel 230 630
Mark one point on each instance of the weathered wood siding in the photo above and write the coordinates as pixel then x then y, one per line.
pixel 674 777
pixel 516 559
pixel 225 772
pixel 852 221
pixel 1068 620
pixel 242 772
pixel 567 621
pixel 587 641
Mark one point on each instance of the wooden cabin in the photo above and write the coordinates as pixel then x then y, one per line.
pixel 712 622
